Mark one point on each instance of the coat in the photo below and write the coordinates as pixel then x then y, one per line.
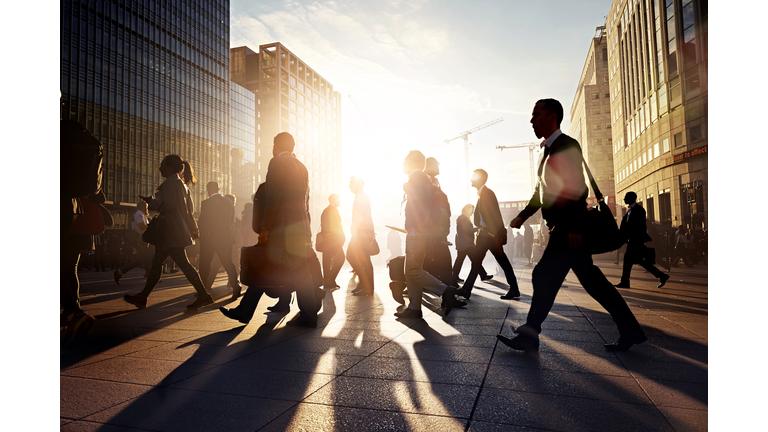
pixel 216 219
pixel 286 205
pixel 465 233
pixel 171 202
pixel 487 213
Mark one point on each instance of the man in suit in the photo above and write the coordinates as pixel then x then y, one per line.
pixel 216 237
pixel 285 224
pixel 635 234
pixel 358 250
pixel 492 237
pixel 333 249
pixel 561 194
pixel 418 209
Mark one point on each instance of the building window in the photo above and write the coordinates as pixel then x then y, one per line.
pixel 597 142
pixel 595 95
pixel 656 150
pixel 695 133
pixel 595 110
pixel 665 145
pixel 678 139
pixel 607 95
pixel 596 126
pixel 607 125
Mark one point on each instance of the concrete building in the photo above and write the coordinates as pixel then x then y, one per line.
pixel 292 97
pixel 657 63
pixel 591 118
pixel 242 142
pixel 148 78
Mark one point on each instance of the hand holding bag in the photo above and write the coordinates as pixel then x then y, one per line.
pixel 263 266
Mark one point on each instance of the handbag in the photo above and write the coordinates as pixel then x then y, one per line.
pixel 602 233
pixel 321 242
pixel 154 232
pixel 373 247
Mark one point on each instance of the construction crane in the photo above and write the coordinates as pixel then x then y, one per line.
pixel 465 136
pixel 531 147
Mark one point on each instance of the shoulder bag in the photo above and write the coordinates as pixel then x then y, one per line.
pixel 602 233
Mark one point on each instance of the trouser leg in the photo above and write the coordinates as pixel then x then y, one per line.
pixel 648 265
pixel 155 272
pixel 477 264
pixel 206 259
pixel 248 303
pixel 225 256
pixel 595 283
pixel 416 279
pixel 548 276
pixel 179 255
pixel 460 256
pixel 68 281
pixel 337 261
pixel 301 278
pixel 626 270
pixel 501 258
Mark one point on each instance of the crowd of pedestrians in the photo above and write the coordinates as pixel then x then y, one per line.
pixel 279 252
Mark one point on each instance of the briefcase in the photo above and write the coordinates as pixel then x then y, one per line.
pixel 263 266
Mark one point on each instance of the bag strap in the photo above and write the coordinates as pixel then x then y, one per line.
pixel 598 194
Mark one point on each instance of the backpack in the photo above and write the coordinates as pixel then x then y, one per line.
pixel 81 160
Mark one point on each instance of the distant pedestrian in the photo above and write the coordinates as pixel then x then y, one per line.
pixel 332 234
pixel 683 248
pixel 437 259
pixel 363 235
pixel 171 202
pixel 465 243
pixel 138 226
pixel 527 242
pixel 248 237
pixel 492 237
pixel 635 234
pixel 217 237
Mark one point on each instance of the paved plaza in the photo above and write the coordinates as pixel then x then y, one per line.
pixel 166 369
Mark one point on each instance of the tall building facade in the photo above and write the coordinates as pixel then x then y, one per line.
pixel 657 62
pixel 292 97
pixel 591 118
pixel 242 143
pixel 148 78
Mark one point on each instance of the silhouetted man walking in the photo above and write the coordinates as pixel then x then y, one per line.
pixel 333 249
pixel 216 236
pixel 635 234
pixel 561 194
pixel 492 237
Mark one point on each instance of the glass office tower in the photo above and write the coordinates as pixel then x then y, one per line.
pixel 242 141
pixel 149 78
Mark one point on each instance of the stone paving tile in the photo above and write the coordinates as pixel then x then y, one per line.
pixel 561 383
pixel 193 352
pixel 676 394
pixel 478 426
pixel 563 413
pixel 171 410
pixel 435 352
pixel 167 335
pixel 323 363
pixel 409 370
pixel 686 420
pixel 273 384
pixel 80 397
pixel 435 338
pixel 669 371
pixel 86 426
pixel 317 345
pixel 649 353
pixel 138 371
pixel 324 418
pixel 552 360
pixel 366 335
pixel 406 396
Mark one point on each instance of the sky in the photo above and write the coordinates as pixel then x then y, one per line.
pixel 425 71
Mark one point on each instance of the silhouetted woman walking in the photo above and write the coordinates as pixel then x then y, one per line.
pixel 171 201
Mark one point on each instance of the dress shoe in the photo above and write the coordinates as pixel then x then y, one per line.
pixel 486 278
pixel 201 302
pixel 236 291
pixel 520 343
pixel 117 274
pixel 358 289
pixel 663 280
pixel 622 285
pixel 463 292
pixel 279 309
pixel 409 314
pixel 397 291
pixel 230 313
pixel 459 279
pixel 449 300
pixel 136 300
pixel 625 342
pixel 511 294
